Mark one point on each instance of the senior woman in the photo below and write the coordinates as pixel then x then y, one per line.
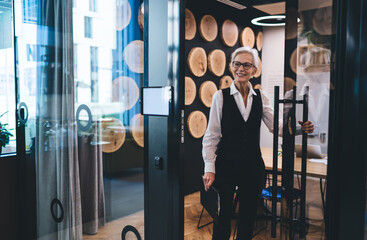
pixel 231 145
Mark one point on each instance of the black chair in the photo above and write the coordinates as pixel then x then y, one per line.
pixel 210 201
pixel 267 195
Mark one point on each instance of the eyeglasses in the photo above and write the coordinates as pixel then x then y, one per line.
pixel 246 65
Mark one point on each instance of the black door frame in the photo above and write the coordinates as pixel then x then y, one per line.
pixel 163 66
pixel 346 182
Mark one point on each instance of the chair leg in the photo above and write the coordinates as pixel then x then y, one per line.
pixel 201 215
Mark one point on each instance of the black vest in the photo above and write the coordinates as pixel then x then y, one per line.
pixel 239 147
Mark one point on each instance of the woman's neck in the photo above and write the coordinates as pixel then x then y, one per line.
pixel 242 87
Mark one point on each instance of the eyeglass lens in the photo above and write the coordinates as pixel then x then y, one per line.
pixel 246 65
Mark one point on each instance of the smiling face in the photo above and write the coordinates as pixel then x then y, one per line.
pixel 241 74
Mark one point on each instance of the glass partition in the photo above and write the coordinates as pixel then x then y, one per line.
pixel 308 58
pixel 80 72
pixel 311 63
pixel 7 78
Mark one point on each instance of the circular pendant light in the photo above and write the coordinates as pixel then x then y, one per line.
pixel 270 21
pixel 273 20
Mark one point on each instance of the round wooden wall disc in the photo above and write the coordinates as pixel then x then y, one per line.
pixel 229 33
pixel 206 92
pixel 137 129
pixel 259 41
pixel 259 69
pixel 141 16
pixel 293 61
pixel 123 14
pixel 134 56
pixel 197 61
pixel 113 133
pixel 208 28
pixel 190 25
pixel 291 25
pixel 258 86
pixel 126 91
pixel 322 21
pixel 196 124
pixel 217 62
pixel 190 91
pixel 225 82
pixel 247 37
pixel 289 83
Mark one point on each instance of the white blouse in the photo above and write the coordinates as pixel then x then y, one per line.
pixel 213 131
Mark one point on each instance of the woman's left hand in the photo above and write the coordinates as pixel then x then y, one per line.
pixel 307 126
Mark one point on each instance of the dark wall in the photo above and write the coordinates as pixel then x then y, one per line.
pixel 8 198
pixel 194 165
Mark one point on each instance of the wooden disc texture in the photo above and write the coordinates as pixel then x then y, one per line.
pixel 289 83
pixel 217 62
pixel 134 56
pixel 206 92
pixel 258 86
pixel 141 16
pixel 225 82
pixel 190 25
pixel 126 91
pixel 247 37
pixel 259 69
pixel 259 41
pixel 196 124
pixel 322 21
pixel 293 61
pixel 190 91
pixel 197 61
pixel 137 129
pixel 123 14
pixel 114 133
pixel 208 28
pixel 229 33
pixel 291 24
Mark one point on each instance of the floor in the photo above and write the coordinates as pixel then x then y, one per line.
pixel 124 193
pixel 316 228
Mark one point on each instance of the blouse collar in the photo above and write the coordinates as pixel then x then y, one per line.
pixel 234 90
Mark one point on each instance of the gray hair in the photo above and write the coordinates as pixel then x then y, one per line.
pixel 248 50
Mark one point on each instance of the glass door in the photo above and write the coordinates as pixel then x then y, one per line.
pixel 308 37
pixel 80 69
pixel 7 86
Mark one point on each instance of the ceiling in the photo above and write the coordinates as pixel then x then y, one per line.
pixel 273 7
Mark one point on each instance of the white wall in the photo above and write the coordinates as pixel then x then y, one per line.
pixel 272 73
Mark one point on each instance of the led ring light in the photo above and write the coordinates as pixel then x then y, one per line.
pixel 279 18
pixel 256 21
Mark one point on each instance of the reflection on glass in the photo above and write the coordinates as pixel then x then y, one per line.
pixel 313 64
pixel 7 90
pixel 85 132
pixel 109 85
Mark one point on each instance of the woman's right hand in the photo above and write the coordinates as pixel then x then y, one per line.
pixel 208 180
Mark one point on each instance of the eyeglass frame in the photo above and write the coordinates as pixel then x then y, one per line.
pixel 243 65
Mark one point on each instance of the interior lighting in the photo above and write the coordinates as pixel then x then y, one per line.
pixel 270 21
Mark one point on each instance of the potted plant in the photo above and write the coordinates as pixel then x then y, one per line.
pixel 4 134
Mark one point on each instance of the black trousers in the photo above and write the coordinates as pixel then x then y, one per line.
pixel 250 182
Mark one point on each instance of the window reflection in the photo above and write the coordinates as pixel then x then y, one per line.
pixel 94 61
pixel 110 86
pixel 7 84
pixel 313 65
